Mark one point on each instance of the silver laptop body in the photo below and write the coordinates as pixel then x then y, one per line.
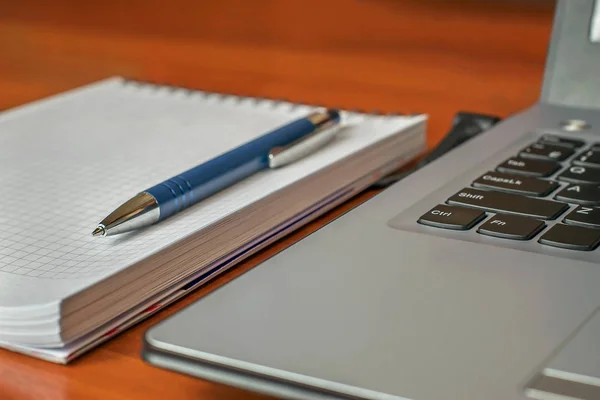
pixel 477 277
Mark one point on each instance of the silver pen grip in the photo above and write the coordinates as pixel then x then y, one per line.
pixel 280 156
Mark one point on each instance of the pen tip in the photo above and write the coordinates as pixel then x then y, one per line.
pixel 99 231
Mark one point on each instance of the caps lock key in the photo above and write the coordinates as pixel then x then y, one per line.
pixel 515 184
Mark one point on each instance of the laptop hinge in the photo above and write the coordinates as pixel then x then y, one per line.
pixel 572 74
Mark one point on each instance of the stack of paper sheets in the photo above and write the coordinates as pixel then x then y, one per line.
pixel 67 161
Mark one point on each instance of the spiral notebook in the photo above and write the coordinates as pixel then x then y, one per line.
pixel 62 291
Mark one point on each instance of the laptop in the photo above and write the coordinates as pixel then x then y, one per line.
pixel 476 277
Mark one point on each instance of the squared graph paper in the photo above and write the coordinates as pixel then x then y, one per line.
pixel 68 161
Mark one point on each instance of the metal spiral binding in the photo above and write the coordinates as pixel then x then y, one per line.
pixel 257 101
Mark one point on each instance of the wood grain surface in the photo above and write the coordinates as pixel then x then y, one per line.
pixel 433 56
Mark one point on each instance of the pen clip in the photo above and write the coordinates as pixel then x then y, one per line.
pixel 283 155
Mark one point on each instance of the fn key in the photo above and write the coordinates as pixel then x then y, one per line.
pixel 514 227
pixel 451 217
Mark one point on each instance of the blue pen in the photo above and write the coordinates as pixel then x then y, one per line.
pixel 272 150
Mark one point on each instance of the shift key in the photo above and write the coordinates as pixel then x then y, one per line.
pixel 508 203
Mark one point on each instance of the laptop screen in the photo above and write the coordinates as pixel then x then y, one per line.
pixel 571 77
pixel 595 24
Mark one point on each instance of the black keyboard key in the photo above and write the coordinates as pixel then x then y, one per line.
pixel 571 237
pixel 580 194
pixel 579 174
pixel 523 166
pixel 513 227
pixel 508 203
pixel 449 217
pixel 515 184
pixel 584 216
pixel 589 158
pixel 562 141
pixel 544 151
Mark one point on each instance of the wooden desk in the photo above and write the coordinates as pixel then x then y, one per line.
pixel 389 55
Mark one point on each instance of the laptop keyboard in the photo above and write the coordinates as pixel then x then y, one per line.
pixel 553 179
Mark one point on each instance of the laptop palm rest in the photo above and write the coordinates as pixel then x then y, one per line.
pixel 574 371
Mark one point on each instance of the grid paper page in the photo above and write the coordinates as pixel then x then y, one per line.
pixel 67 162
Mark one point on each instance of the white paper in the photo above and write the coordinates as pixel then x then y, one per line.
pixel 68 161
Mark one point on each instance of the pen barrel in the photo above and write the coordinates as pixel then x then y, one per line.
pixel 184 190
pixel 172 195
pixel 181 191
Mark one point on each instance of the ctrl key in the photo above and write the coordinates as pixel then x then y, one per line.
pixel 451 217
